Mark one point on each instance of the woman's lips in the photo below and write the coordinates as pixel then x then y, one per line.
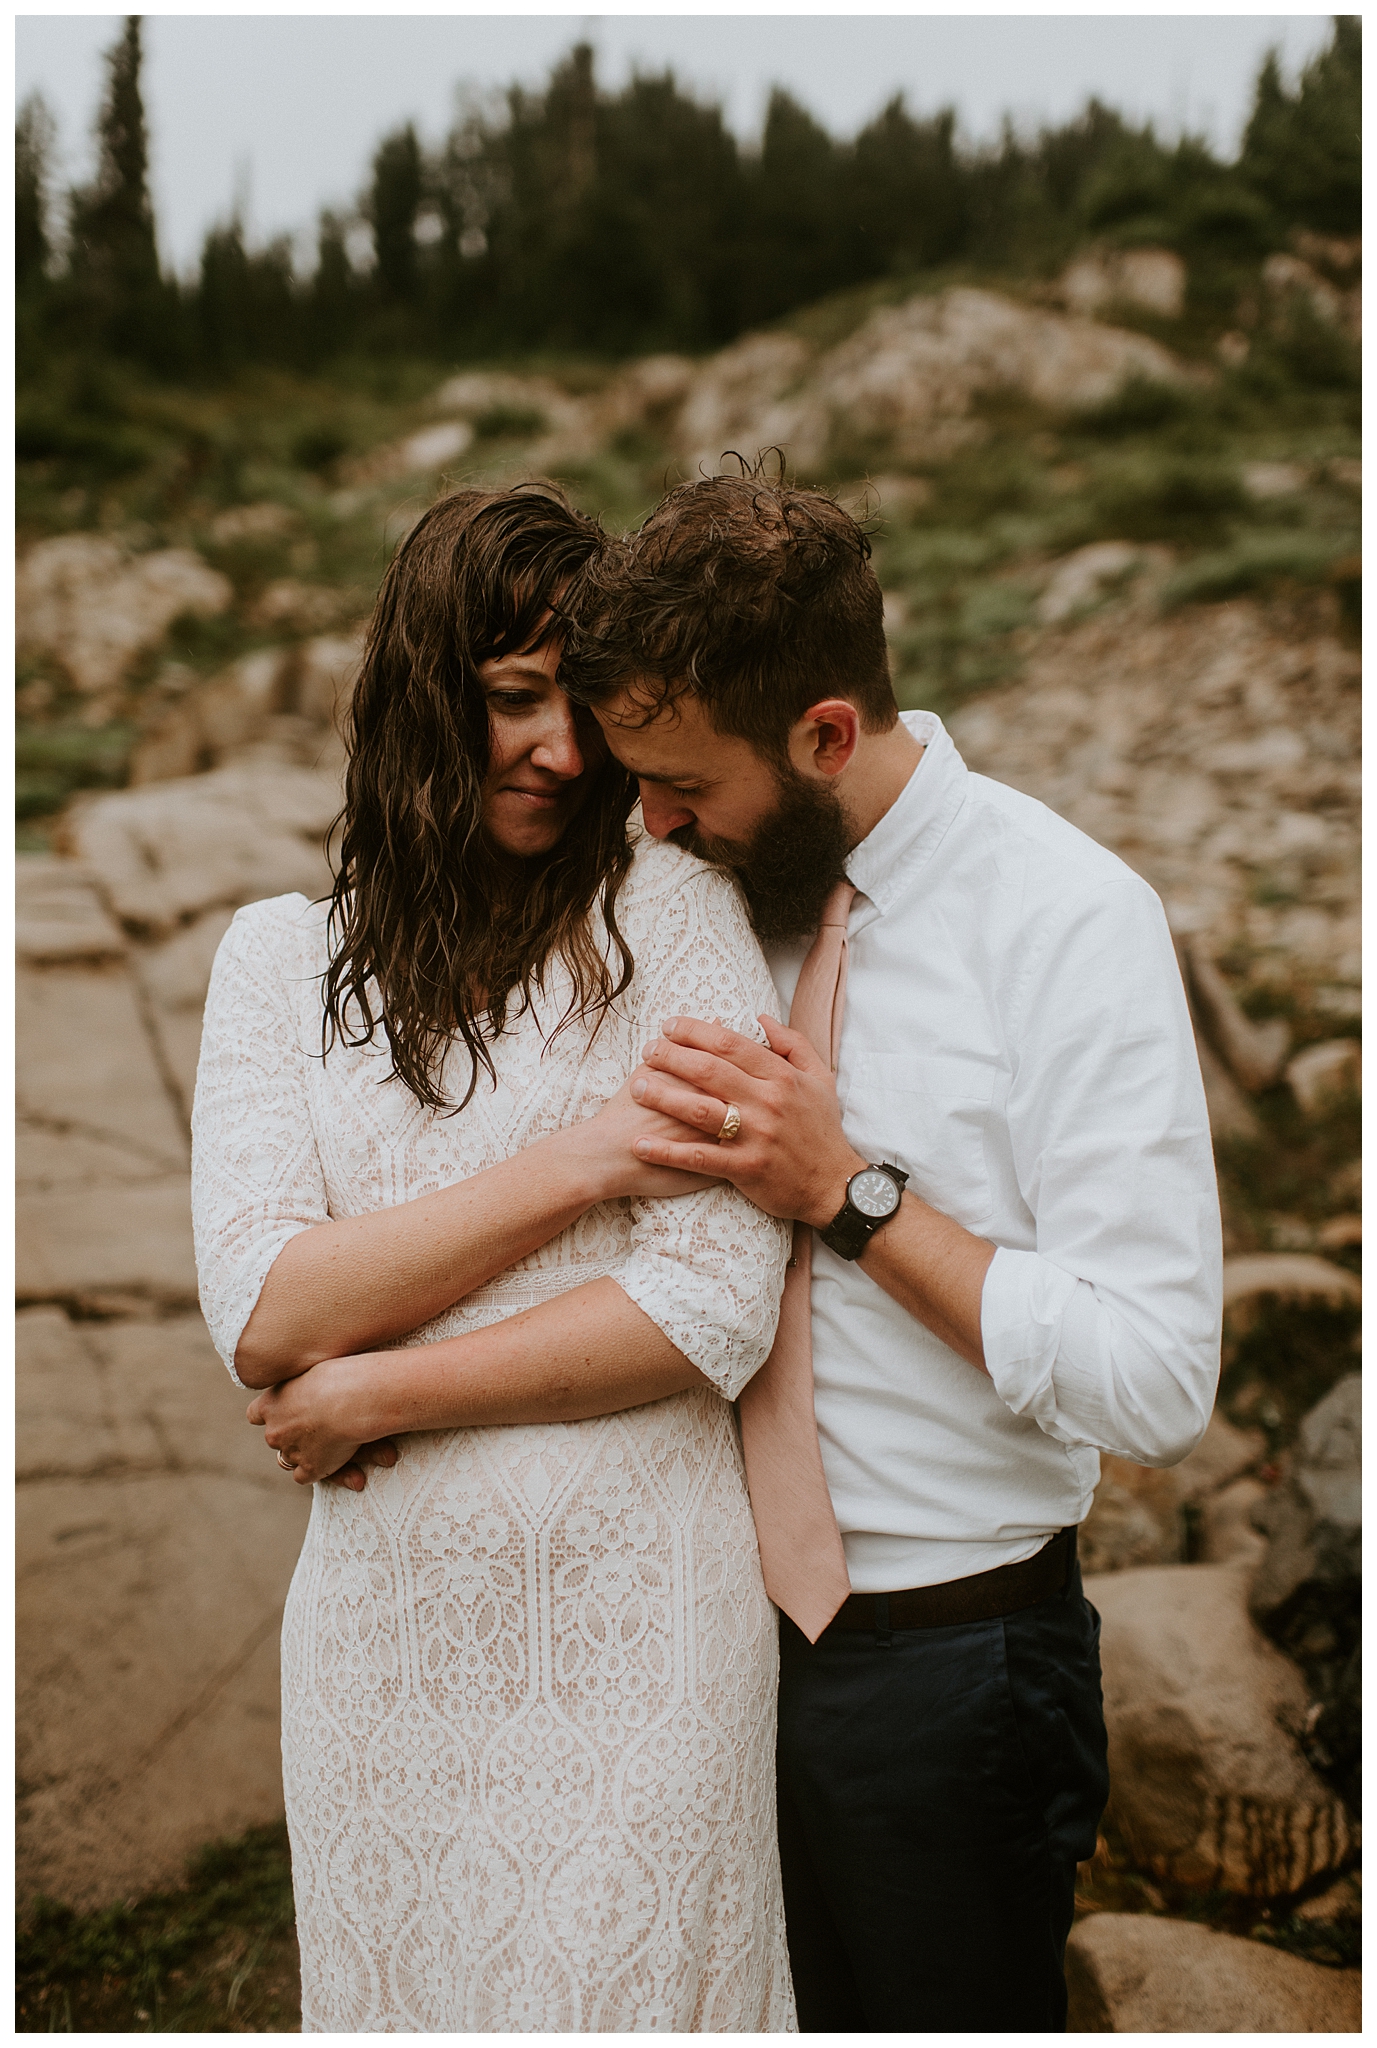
pixel 537 799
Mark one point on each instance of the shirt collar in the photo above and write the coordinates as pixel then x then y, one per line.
pixel 888 860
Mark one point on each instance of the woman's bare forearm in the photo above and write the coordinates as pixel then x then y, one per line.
pixel 589 1352
pixel 360 1281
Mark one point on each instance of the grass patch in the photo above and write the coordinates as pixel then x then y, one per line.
pixel 217 1956
pixel 53 762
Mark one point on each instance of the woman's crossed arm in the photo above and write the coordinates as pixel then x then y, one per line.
pixel 343 1287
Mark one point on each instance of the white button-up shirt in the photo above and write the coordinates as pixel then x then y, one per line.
pixel 1016 1037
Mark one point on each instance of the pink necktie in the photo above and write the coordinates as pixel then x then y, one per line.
pixel 800 1545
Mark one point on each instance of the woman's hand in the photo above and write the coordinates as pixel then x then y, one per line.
pixel 600 1151
pixel 322 1421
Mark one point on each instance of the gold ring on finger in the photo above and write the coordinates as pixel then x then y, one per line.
pixel 285 1463
pixel 731 1125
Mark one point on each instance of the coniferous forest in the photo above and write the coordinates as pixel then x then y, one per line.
pixel 606 224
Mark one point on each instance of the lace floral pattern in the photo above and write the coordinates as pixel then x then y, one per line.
pixel 528 1674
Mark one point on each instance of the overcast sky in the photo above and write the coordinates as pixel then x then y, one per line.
pixel 284 111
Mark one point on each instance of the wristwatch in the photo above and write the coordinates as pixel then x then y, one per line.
pixel 872 1196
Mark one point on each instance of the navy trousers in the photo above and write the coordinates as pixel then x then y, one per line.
pixel 937 1788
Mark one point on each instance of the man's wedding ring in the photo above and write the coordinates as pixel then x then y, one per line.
pixel 731 1125
pixel 285 1463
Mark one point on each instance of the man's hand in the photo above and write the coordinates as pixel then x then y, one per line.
pixel 319 1422
pixel 606 1160
pixel 790 1156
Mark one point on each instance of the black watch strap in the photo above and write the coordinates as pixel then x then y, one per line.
pixel 851 1230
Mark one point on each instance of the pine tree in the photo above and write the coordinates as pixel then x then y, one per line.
pixel 793 236
pixel 332 304
pixel 33 144
pixel 909 200
pixel 114 249
pixel 1302 152
pixel 395 201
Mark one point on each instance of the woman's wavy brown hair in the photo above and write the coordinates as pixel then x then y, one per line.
pixel 433 930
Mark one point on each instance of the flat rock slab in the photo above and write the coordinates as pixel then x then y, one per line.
pixel 1129 1973
pixel 156 1541
pixel 59 918
pixel 86 1065
pixel 69 1419
pixel 170 850
pixel 102 1247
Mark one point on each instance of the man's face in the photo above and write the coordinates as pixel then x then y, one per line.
pixel 781 832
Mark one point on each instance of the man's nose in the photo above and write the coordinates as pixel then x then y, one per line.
pixel 558 750
pixel 662 815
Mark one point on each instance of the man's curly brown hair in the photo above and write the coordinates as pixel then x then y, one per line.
pixel 754 596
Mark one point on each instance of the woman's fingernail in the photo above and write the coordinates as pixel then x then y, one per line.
pixel 638 1089
pixel 670 1026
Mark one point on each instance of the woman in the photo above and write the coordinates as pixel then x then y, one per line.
pixel 528 1666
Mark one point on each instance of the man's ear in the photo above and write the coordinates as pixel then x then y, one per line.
pixel 826 737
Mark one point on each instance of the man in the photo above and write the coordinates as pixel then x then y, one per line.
pixel 1026 1274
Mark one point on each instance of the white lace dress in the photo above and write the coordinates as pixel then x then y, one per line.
pixel 529 1674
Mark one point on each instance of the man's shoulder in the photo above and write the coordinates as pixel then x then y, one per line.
pixel 1040 853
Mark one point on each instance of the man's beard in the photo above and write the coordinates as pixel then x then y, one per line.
pixel 791 861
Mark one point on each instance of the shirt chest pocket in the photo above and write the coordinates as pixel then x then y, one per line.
pixel 929 1113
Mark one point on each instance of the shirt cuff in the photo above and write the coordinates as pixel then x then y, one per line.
pixel 1022 1305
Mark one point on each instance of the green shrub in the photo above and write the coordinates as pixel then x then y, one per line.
pixel 508 423
pixel 317 446
pixel 1255 562
pixel 52 762
pixel 1139 406
pixel 1175 498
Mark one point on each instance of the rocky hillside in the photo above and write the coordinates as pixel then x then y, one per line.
pixel 1119 554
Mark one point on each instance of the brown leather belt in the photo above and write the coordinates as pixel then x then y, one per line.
pixel 983 1597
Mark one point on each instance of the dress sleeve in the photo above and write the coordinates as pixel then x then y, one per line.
pixel 707 1268
pixel 256 1176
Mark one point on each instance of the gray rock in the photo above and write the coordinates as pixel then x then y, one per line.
pixel 1324 1073
pixel 147 1614
pixel 1307 1593
pixel 86 1067
pixel 1222 1454
pixel 1227 1531
pixel 1130 1973
pixel 1135 1519
pixel 1291 1275
pixel 1255 1053
pixel 102 1249
pixel 170 851
pixel 59 918
pixel 1139 1512
pixel 1207 1785
pixel 69 1420
pixel 82 600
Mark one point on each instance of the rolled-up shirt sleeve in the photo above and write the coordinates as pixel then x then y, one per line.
pixel 1106 1333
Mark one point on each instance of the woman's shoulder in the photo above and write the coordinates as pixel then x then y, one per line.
pixel 662 874
pixel 285 932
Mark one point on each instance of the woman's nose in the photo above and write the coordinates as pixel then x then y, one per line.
pixel 559 750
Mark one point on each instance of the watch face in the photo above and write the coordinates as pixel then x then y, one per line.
pixel 873 1193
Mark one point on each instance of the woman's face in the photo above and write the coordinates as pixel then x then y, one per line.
pixel 544 752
